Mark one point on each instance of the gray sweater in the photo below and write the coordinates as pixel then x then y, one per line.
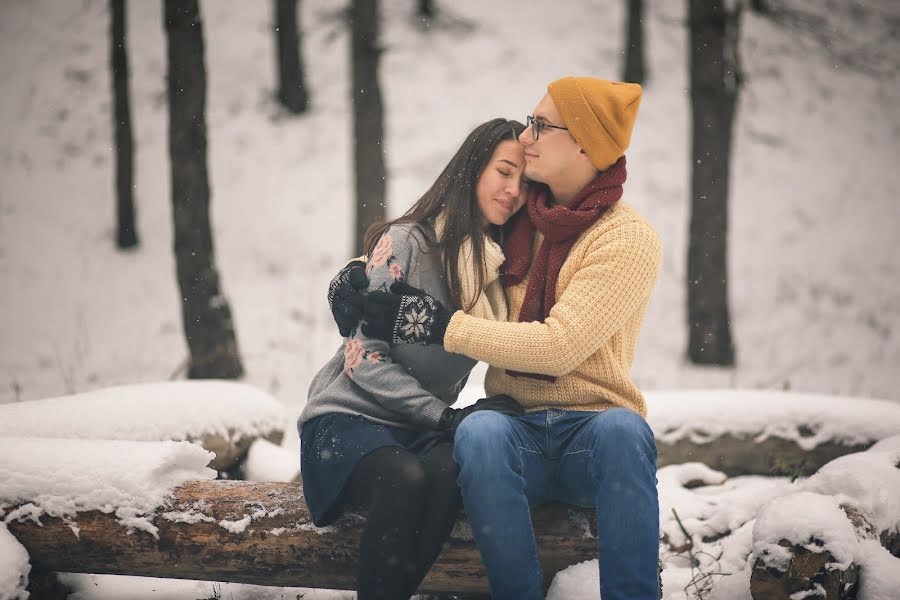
pixel 405 386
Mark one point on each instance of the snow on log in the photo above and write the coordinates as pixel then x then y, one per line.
pixel 224 417
pixel 743 432
pixel 835 537
pixel 261 533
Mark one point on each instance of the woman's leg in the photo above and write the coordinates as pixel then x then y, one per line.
pixel 391 482
pixel 442 504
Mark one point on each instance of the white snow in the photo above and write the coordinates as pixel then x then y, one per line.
pixel 880 572
pixel 812 521
pixel 268 462
pixel 578 582
pixel 63 477
pixel 176 410
pixel 14 566
pixel 868 481
pixel 702 415
pixel 237 526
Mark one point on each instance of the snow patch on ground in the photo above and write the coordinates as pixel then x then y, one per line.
pixel 14 566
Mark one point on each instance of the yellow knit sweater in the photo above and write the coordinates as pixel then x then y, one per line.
pixel 588 340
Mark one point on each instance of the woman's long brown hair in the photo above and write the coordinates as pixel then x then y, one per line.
pixel 453 192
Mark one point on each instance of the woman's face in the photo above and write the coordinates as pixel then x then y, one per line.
pixel 499 189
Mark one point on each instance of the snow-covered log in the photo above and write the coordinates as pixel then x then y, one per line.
pixel 837 536
pixel 261 533
pixel 224 417
pixel 743 432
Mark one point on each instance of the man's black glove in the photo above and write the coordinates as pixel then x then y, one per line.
pixel 344 297
pixel 406 315
pixel 503 404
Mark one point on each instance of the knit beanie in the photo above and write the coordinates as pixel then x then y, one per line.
pixel 600 115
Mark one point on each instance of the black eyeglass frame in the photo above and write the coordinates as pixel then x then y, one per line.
pixel 536 126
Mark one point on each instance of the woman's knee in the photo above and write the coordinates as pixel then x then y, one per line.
pixel 440 468
pixel 398 474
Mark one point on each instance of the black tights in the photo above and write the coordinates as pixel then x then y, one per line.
pixel 412 504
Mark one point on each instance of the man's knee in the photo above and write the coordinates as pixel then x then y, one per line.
pixel 623 429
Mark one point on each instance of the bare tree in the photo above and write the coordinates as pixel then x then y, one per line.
pixel 206 314
pixel 292 91
pixel 425 9
pixel 126 231
pixel 635 65
pixel 368 126
pixel 715 85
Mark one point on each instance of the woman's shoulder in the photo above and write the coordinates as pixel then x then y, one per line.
pixel 414 238
pixel 400 247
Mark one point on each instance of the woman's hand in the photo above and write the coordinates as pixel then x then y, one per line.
pixel 406 315
pixel 345 298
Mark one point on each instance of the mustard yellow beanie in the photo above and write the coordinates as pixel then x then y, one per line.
pixel 600 115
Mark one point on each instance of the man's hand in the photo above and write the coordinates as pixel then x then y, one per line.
pixel 406 315
pixel 344 297
pixel 503 404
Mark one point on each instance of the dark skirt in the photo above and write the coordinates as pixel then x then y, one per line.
pixel 331 446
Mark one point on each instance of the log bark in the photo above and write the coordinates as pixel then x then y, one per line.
pixel 231 452
pixel 279 546
pixel 735 455
pixel 811 573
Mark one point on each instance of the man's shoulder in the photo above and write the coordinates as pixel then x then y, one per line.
pixel 622 218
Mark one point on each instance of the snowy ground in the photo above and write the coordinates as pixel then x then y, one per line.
pixel 814 276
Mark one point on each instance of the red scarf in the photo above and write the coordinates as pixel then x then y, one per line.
pixel 561 226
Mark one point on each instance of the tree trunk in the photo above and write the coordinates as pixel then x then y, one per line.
pixel 206 314
pixel 368 127
pixel 291 80
pixel 279 545
pixel 425 9
pixel 126 232
pixel 635 66
pixel 715 83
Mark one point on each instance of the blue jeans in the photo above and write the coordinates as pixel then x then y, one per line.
pixel 602 459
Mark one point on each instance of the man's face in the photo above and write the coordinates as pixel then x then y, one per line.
pixel 550 158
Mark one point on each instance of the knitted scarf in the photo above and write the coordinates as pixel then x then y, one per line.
pixel 560 226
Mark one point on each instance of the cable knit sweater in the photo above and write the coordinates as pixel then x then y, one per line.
pixel 588 340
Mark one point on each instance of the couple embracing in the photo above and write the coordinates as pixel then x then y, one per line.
pixel 520 255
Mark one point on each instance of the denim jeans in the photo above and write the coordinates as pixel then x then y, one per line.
pixel 603 459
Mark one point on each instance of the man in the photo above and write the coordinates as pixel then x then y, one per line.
pixel 580 268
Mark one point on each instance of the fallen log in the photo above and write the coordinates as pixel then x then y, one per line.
pixel 744 455
pixel 262 533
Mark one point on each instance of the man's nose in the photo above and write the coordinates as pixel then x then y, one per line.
pixel 526 137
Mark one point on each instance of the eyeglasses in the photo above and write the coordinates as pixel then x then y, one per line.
pixel 536 126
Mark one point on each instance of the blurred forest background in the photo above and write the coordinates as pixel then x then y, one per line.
pixel 176 170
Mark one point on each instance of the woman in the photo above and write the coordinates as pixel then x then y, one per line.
pixel 377 426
